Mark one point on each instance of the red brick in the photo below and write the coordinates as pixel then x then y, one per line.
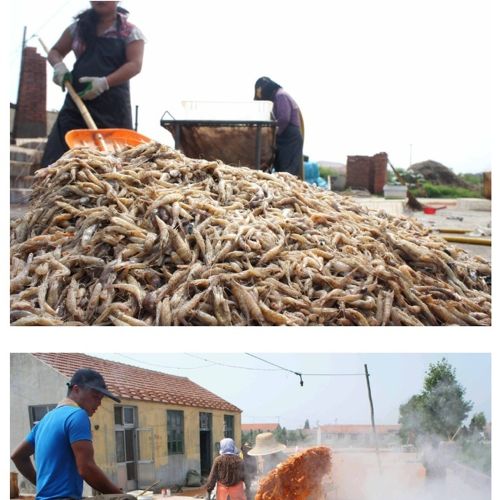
pixel 367 172
pixel 31 109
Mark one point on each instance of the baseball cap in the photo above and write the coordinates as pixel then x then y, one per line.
pixel 90 379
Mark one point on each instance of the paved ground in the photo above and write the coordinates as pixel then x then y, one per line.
pixel 356 476
pixel 455 215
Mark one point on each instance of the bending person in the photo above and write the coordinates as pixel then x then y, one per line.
pixel 290 133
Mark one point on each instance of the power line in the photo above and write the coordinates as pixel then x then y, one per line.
pixel 162 365
pixel 211 363
pixel 309 374
pixel 300 374
pixel 232 366
pixel 50 18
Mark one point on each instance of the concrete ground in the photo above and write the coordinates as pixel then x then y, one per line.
pixel 185 494
pixel 356 476
pixel 460 214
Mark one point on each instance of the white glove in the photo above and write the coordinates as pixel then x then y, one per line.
pixel 61 74
pixel 96 85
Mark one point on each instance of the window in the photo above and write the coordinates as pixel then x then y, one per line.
pixel 37 412
pixel 205 421
pixel 175 432
pixel 229 426
pixel 120 446
pixel 125 415
pixel 126 445
pixel 128 415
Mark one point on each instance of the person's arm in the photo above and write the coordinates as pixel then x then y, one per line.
pixel 21 457
pixel 133 65
pixel 283 112
pixel 89 470
pixel 96 85
pixel 212 478
pixel 241 470
pixel 61 48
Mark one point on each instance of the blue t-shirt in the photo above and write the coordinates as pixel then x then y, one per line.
pixel 56 472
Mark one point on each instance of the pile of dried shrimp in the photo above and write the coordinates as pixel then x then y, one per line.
pixel 151 237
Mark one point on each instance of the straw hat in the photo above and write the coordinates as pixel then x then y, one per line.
pixel 266 444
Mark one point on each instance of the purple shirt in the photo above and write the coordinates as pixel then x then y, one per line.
pixel 285 110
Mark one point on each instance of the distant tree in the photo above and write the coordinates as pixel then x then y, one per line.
pixel 292 436
pixel 440 409
pixel 281 434
pixel 248 437
pixel 306 425
pixel 477 423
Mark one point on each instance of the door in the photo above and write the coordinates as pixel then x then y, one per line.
pixel 205 443
pixel 126 447
pixel 144 439
pixel 126 459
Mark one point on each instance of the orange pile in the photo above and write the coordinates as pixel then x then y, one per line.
pixel 297 478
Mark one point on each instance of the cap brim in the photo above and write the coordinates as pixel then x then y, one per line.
pixel 106 393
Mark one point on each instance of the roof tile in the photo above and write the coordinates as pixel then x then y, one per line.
pixel 137 383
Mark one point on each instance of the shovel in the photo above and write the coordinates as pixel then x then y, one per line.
pixel 148 488
pixel 107 139
pixel 413 203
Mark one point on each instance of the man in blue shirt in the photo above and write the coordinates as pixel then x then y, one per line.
pixel 62 444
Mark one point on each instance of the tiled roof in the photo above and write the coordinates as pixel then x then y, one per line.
pixel 259 427
pixel 358 429
pixel 131 382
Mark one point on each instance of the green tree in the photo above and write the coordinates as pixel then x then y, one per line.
pixel 293 436
pixel 439 409
pixel 478 422
pixel 281 434
pixel 306 425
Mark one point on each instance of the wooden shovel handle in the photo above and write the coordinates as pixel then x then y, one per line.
pixel 89 121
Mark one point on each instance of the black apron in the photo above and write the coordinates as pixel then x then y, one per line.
pixel 289 147
pixel 111 109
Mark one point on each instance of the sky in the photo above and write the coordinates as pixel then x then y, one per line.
pixel 266 393
pixel 408 78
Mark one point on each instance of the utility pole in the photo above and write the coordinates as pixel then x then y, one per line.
pixel 411 145
pixel 373 418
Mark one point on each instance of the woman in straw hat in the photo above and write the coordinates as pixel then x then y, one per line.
pixel 228 473
pixel 269 449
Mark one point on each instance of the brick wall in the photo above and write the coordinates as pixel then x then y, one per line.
pixel 358 172
pixel 31 114
pixel 379 173
pixel 367 172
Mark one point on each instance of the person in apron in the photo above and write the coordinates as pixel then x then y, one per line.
pixel 227 473
pixel 290 133
pixel 109 52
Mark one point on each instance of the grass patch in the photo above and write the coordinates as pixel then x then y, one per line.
pixel 429 190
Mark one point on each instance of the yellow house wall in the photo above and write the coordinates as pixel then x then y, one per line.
pixel 154 415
